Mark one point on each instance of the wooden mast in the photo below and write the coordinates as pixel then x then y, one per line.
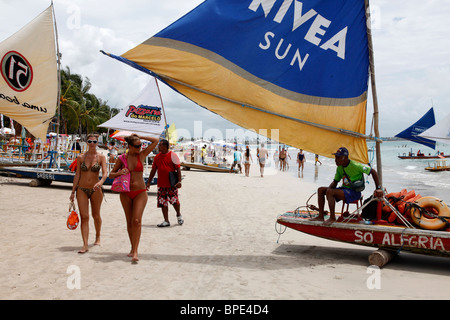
pixel 374 93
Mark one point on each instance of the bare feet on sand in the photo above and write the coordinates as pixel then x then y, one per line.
pixel 83 250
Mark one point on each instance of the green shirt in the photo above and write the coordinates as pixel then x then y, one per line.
pixel 354 170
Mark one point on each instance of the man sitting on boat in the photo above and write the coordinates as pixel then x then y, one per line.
pixel 350 172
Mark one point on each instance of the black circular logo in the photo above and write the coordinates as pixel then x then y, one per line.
pixel 16 71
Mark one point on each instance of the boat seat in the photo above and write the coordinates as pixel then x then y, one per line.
pixel 358 203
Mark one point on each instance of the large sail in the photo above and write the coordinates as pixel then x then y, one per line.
pixel 413 132
pixel 29 82
pixel 439 132
pixel 144 115
pixel 298 69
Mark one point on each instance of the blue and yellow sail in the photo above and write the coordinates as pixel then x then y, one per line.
pixel 298 68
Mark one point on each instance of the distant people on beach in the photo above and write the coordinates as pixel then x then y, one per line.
pixel 167 163
pixel 301 160
pixel 134 201
pixel 76 145
pixel 263 155
pixel 236 160
pixel 204 154
pixel 276 158
pixel 247 159
pixel 283 159
pixel 112 152
pixel 192 154
pixel 349 172
pixel 316 159
pixel 88 189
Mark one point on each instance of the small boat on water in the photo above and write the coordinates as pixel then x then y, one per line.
pixel 438 165
pixel 423 156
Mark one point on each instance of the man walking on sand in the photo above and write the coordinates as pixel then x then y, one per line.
pixel 349 171
pixel 165 163
pixel 263 155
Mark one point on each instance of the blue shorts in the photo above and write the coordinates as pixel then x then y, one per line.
pixel 350 195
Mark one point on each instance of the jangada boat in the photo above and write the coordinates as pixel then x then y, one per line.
pixel 204 167
pixel 377 233
pixel 423 157
pixel 284 70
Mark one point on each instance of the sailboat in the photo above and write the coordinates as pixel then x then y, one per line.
pixel 298 70
pixel 30 84
pixel 414 133
pixel 439 132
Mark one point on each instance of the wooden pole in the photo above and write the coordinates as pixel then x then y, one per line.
pixel 381 257
pixel 58 59
pixel 374 94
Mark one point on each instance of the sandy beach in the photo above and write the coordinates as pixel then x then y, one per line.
pixel 228 248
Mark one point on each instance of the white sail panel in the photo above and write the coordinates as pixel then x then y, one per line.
pixel 439 132
pixel 29 81
pixel 144 115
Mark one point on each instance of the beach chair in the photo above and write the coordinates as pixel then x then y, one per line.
pixel 358 203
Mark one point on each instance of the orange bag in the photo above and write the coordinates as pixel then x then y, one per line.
pixel 72 219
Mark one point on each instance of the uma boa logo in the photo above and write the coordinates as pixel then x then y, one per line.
pixel 17 71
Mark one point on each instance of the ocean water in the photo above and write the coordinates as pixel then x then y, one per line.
pixel 397 174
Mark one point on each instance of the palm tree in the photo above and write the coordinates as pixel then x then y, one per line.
pixel 81 111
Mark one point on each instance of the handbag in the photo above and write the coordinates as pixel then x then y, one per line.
pixel 72 220
pixel 357 185
pixel 173 178
pixel 122 182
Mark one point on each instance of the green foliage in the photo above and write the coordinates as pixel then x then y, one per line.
pixel 81 111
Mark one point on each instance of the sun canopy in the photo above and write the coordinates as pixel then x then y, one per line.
pixel 298 70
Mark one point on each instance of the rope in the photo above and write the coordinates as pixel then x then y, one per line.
pixel 297 214
pixel 279 232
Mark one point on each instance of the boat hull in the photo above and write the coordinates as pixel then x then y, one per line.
pixel 424 157
pixel 52 174
pixel 203 167
pixel 396 238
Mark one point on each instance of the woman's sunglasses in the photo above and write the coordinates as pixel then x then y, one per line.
pixel 138 146
pixel 92 141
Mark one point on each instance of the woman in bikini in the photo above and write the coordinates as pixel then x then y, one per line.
pixel 88 188
pixel 247 158
pixel 134 202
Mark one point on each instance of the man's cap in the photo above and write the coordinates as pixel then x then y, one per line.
pixel 342 151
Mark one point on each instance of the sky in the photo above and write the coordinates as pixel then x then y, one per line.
pixel 411 51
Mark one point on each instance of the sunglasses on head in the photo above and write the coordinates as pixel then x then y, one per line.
pixel 92 141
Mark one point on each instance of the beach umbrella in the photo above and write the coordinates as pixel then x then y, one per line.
pixel 119 135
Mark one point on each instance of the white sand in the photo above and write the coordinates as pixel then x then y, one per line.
pixel 227 248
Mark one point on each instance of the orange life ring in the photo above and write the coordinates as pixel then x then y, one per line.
pixel 432 204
